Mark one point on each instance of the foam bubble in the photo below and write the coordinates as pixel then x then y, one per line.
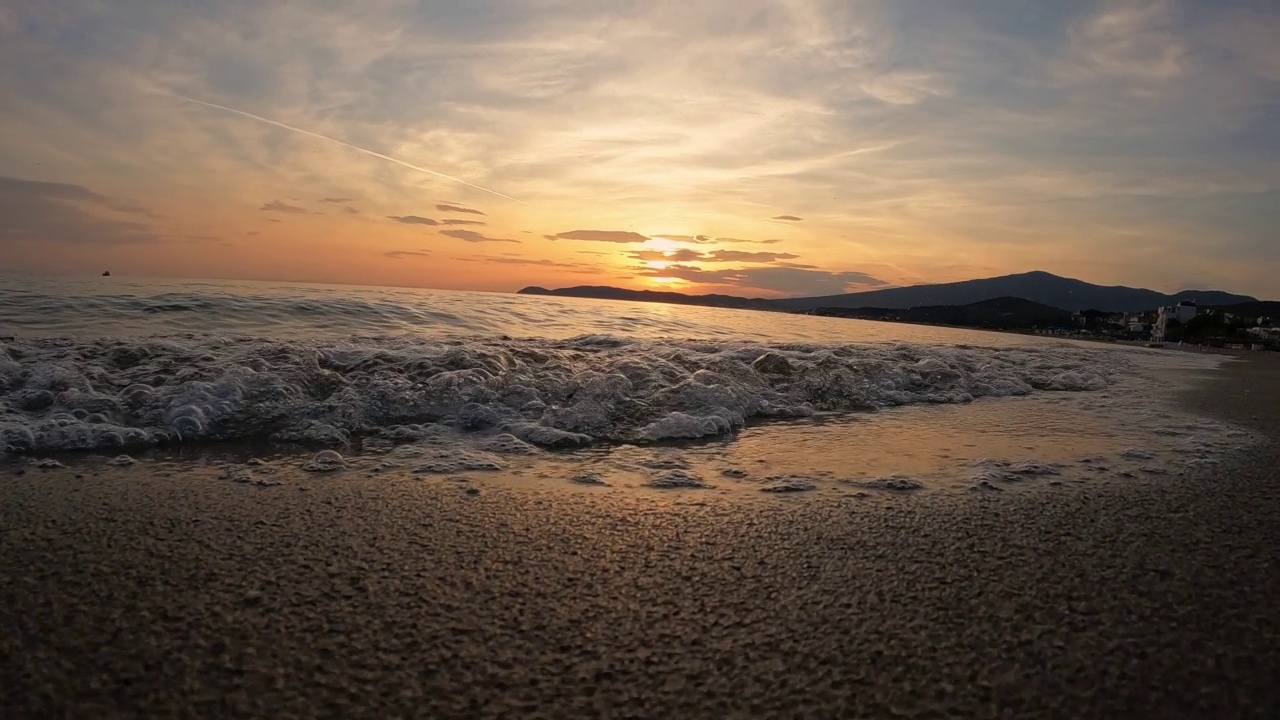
pixel 325 461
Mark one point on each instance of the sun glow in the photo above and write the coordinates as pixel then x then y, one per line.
pixel 663 244
pixel 665 281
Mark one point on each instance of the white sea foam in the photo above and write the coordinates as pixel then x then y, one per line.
pixel 788 485
pixel 674 479
pixel 60 394
pixel 992 470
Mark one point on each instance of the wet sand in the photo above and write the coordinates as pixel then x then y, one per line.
pixel 130 594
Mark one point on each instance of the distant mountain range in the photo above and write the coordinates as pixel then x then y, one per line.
pixel 1038 287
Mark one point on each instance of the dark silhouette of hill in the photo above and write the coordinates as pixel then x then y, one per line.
pixel 997 313
pixel 1257 308
pixel 1038 287
pixel 1041 287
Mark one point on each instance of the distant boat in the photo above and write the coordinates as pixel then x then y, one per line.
pixel 106 273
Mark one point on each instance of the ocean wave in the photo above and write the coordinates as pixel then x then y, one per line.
pixel 59 394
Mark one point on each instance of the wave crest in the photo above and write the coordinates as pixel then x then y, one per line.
pixel 60 394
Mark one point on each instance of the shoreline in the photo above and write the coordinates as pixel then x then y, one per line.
pixel 168 596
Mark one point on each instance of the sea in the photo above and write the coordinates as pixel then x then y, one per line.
pixel 279 384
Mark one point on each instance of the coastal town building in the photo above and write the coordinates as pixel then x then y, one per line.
pixel 1181 313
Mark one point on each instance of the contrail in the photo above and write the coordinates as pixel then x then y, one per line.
pixel 336 141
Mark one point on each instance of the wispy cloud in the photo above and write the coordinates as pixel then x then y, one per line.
pixel 34 212
pixel 472 236
pixel 609 236
pixel 455 208
pixel 717 256
pixel 280 207
pixel 337 200
pixel 788 218
pixel 343 143
pixel 522 261
pixel 456 221
pixel 412 220
pixel 755 257
pixel 406 254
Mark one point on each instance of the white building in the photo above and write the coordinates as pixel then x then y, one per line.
pixel 1183 312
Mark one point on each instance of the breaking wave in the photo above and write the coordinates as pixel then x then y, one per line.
pixel 61 394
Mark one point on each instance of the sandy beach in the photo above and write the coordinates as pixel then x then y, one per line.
pixel 132 594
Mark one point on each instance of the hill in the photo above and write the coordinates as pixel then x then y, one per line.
pixel 1255 309
pixel 1040 287
pixel 1004 313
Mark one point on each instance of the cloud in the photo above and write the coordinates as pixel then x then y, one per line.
pixel 610 236
pixel 773 241
pixel 1014 135
pixel 330 139
pixel 455 221
pixel 717 256
pixel 661 256
pixel 521 261
pixel 402 254
pixel 691 239
pixel 348 210
pixel 1133 41
pixel 784 281
pixel 412 219
pixel 788 218
pixel 337 200
pixel 754 257
pixel 904 88
pixel 279 207
pixel 709 240
pixel 34 211
pixel 472 236
pixel 454 208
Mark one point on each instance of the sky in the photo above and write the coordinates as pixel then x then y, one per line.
pixel 751 147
